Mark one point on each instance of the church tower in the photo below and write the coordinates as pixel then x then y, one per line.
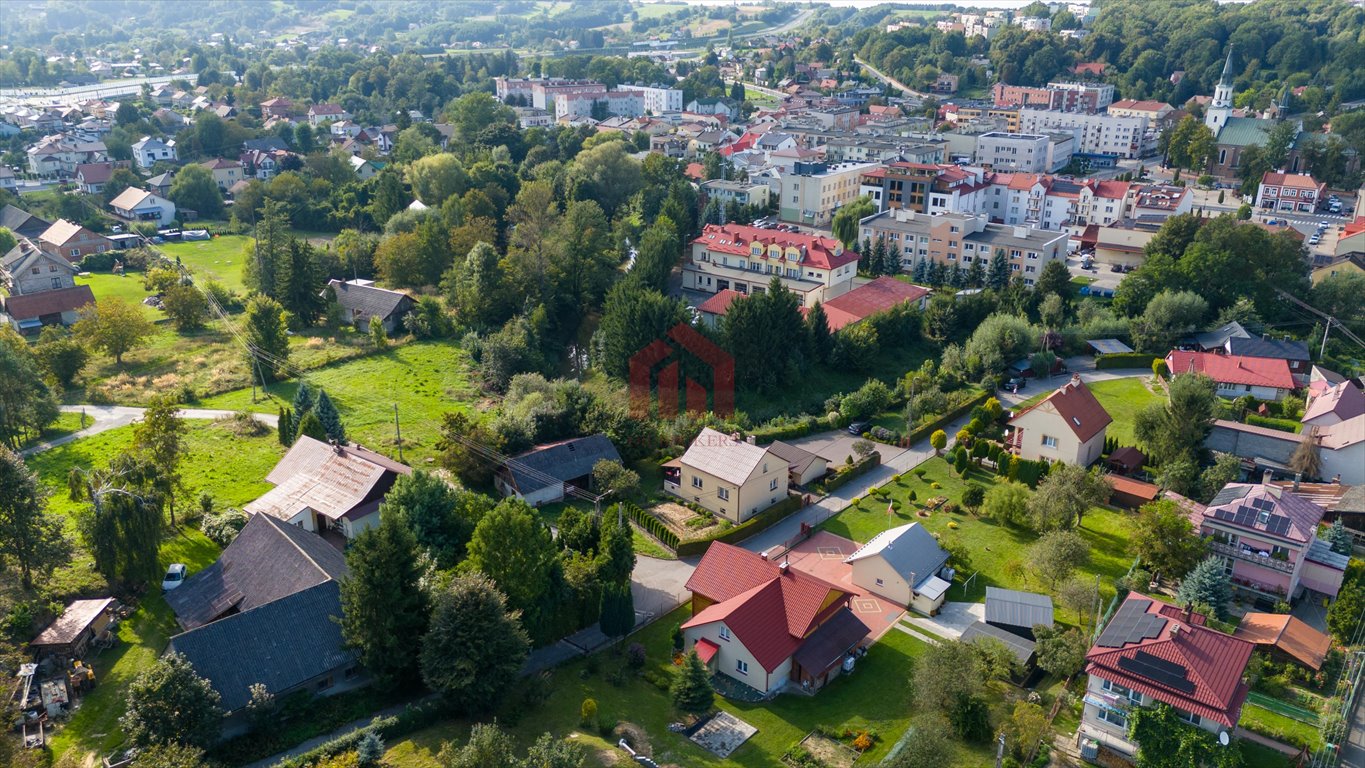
pixel 1220 109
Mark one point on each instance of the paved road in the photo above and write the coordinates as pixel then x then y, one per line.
pixel 891 80
pixel 1353 751
pixel 109 417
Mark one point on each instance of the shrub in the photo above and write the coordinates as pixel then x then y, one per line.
pixel 587 713
pixel 224 526
pixel 1125 360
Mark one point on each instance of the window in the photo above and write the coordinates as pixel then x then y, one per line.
pixel 723 494
pixel 1114 718
pixel 1049 441
pixel 352 672
pixel 741 666
pixel 50 268
pixel 36 271
pixel 879 583
pixel 724 633
pixel 1188 717
pixel 324 683
pixel 696 481
pixel 56 283
pixel 75 253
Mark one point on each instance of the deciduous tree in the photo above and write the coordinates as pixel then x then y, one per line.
pixel 1166 540
pixel 170 704
pixel 1057 555
pixel 113 326
pixel 473 651
pixel 159 438
pixel 384 609
pixel 31 540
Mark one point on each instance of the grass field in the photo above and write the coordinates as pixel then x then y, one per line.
pixel 219 259
pixel 874 696
pixel 999 553
pixel 65 424
pixel 425 379
pixel 807 392
pixel 1122 398
pixel 1261 720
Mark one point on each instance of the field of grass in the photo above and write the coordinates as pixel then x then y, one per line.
pixel 874 696
pixel 219 259
pixel 999 553
pixel 65 424
pixel 807 393
pixel 1122 398
pixel 1256 756
pixel 646 11
pixel 425 379
pixel 1261 720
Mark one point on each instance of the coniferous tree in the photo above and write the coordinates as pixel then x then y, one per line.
pixel 877 263
pixel 30 537
pixel 976 274
pixel 1206 585
pixel 618 610
pixel 383 606
pixel 865 263
pixel 475 646
pixel 821 341
pixel 329 418
pixel 299 282
pixel 284 427
pixel 269 248
pixel 311 427
pixel 955 278
pixel 691 689
pixel 998 277
pixel 303 403
pixel 169 703
pixel 921 272
pixel 938 273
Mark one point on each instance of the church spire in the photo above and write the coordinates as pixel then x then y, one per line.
pixel 1226 79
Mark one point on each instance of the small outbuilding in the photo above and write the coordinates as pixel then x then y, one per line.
pixel 1021 647
pixel 904 565
pixel 361 300
pixel 802 466
pixel 540 475
pixel 1126 460
pixel 1286 637
pixel 70 635
pixel 1017 612
pixel 1128 493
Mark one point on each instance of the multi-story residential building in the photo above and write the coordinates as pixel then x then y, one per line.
pixel 513 89
pixel 1067 97
pixel 326 113
pixel 873 149
pixel 812 192
pixel 1151 652
pixel 1009 116
pixel 72 241
pixel 225 172
pixel 1289 192
pixel 1024 152
pixel 659 99
pixel 544 93
pixel 1267 538
pixel 1097 134
pixel 739 192
pixel 1157 112
pixel 41 289
pixel 925 187
pixel 575 106
pixel 744 259
pixel 730 477
pixel 148 151
pixel 1158 202
pixel 953 238
pixel 60 156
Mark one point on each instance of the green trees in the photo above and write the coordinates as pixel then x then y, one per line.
pixel 1166 540
pixel 1008 503
pixel 1056 555
pixel 845 224
pixel 27 405
pixel 939 440
pixel 949 681
pixel 441 517
pixel 267 340
pixel 1166 741
pixel 514 548
pixel 185 306
pixel 635 316
pixel 159 438
pixel 618 610
pixel 691 689
pixel 122 522
pixel 31 539
pixel 436 178
pixel 758 332
pixel 170 704
pixel 657 254
pixel 113 326
pixel 329 418
pixel 1063 497
pixel 60 354
pixel 1175 430
pixel 1168 316
pixel 1191 145
pixel 383 606
pixel 1206 585
pixel 194 189
pixel 474 648
pixel 1060 651
pixel 606 174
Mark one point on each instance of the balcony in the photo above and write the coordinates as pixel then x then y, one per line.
pixel 1250 556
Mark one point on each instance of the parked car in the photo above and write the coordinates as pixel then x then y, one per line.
pixel 1015 384
pixel 1314 240
pixel 175 576
pixel 859 427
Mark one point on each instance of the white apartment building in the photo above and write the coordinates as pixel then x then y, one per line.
pixel 1024 152
pixel 575 106
pixel 812 192
pixel 965 240
pixel 1099 134
pixel 658 99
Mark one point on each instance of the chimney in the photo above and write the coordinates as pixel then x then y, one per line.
pixel 1189 609
pixel 751 440
pixel 1266 477
pixel 1075 379
pixel 1297 477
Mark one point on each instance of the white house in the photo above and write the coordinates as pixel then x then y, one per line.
pixel 1067 426
pixel 136 204
pixel 904 565
pixel 148 151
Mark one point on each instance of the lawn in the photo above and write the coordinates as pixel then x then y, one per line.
pixel 65 424
pixel 1256 756
pixel 1122 398
pixel 219 259
pixel 424 379
pixel 808 392
pixel 998 552
pixel 1261 720
pixel 874 696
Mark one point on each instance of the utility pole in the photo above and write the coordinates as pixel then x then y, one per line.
pixel 398 433
pixel 1325 331
pixel 999 749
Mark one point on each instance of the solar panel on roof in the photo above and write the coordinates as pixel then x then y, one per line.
pixel 1160 671
pixel 1263 504
pixel 1228 495
pixel 1278 525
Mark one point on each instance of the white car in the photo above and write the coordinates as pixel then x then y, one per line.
pixel 175 576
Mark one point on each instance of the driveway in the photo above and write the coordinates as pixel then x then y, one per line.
pixel 952 619
pixel 659 586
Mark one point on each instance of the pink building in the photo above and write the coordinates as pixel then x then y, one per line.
pixel 1267 538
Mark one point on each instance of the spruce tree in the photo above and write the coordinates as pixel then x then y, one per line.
pixel 618 610
pixel 976 274
pixel 1206 585
pixel 311 427
pixel 921 273
pixel 955 275
pixel 691 689
pixel 329 418
pixel 998 277
pixel 285 426
pixel 817 329
pixel 303 403
pixel 865 256
pixel 877 264
pixel 383 607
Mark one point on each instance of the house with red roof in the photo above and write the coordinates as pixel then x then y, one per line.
pixel 768 625
pixel 1263 378
pixel 1068 425
pixel 1290 193
pixel 1151 653
pixel 714 308
pixel 745 259
pixel 880 295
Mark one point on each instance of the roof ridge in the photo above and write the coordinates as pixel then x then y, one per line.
pixel 276 525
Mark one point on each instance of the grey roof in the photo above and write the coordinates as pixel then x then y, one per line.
pixel 1321 552
pixel 1245 131
pixel 1219 336
pixel 1021 647
pixel 161 179
pixel 1017 609
pixel 21 222
pixel 369 300
pixel 772 139
pixel 723 456
pixel 827 645
pixel 283 644
pixel 268 561
pixel 561 462
pixel 799 459
pixel 1259 346
pixel 268 144
pixel 909 549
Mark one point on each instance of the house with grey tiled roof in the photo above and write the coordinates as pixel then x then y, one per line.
pixel 545 474
pixel 728 476
pixel 361 300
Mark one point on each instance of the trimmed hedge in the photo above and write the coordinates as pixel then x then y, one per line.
pixel 413 718
pixel 1126 360
pixel 924 430
pixel 1283 425
pixel 767 434
pixel 652 525
pixel 844 476
pixel 753 525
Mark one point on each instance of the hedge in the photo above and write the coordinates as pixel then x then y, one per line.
pixel 924 430
pixel 652 525
pixel 1126 360
pixel 753 525
pixel 843 476
pixel 766 434
pixel 413 718
pixel 1283 425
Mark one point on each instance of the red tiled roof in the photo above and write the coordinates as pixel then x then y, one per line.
pixel 720 302
pixel 48 302
pixel 1214 662
pixel 1110 188
pixel 769 609
pixel 1077 406
pixel 1232 369
pixel 1287 633
pixel 1294 180
pixel 734 239
pixel 1143 106
pixel 695 171
pixel 867 300
pixel 1132 487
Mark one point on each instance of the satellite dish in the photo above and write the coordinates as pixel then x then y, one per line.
pixel 1223 738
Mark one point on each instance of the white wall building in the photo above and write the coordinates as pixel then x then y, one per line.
pixel 1099 134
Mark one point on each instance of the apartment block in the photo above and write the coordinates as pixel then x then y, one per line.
pixel 964 239
pixel 734 257
pixel 812 192
pixel 1289 192
pixel 1025 152
pixel 574 106
pixel 1087 98
pixel 1100 134
pixel 739 192
pixel 925 187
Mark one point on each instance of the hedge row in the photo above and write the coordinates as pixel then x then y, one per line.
pixel 653 525
pixel 923 431
pixel 753 525
pixel 766 434
pixel 414 718
pixel 1283 425
pixel 1125 360
pixel 843 476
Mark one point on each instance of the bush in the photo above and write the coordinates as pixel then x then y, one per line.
pixel 753 525
pixel 1125 360
pixel 843 476
pixel 224 526
pixel 587 713
pixel 924 430
pixel 1283 425
pixel 651 524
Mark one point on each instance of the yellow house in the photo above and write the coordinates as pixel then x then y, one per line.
pixel 730 477
pixel 1068 426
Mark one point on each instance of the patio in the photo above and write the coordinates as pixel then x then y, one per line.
pixel 723 734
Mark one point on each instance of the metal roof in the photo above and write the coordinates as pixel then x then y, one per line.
pixel 1017 609
pixel 909 549
pixel 1021 647
pixel 562 462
